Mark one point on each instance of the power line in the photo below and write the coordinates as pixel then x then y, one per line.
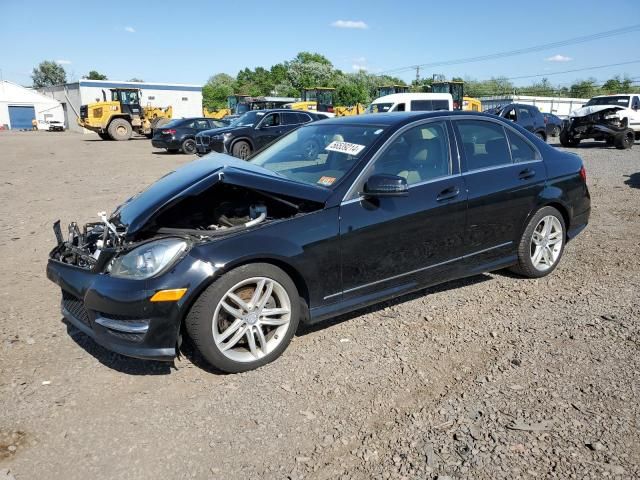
pixel 573 70
pixel 521 51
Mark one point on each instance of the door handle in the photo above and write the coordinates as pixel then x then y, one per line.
pixel 448 193
pixel 526 174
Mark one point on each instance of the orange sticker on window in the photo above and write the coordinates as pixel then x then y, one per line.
pixel 326 180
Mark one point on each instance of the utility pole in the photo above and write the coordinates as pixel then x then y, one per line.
pixel 417 74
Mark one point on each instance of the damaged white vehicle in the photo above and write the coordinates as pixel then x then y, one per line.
pixel 614 119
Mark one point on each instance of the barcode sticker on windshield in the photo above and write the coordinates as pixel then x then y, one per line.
pixel 345 147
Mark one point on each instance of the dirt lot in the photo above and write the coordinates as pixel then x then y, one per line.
pixel 490 377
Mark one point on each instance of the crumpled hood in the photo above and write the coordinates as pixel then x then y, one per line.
pixel 199 175
pixel 584 111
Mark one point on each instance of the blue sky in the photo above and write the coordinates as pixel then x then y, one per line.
pixel 186 42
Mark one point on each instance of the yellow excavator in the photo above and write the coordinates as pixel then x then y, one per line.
pixel 122 115
pixel 320 99
pixel 456 89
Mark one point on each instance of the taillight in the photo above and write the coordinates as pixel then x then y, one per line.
pixel 169 132
pixel 583 174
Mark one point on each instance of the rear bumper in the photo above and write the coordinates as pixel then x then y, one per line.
pixel 165 143
pixel 578 223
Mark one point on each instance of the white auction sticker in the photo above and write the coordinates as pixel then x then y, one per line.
pixel 345 147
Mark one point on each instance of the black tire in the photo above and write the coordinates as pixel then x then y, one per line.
pixel 609 141
pixel 199 320
pixel 104 136
pixel 525 266
pixel 567 140
pixel 625 141
pixel 120 129
pixel 173 150
pixel 541 136
pixel 555 132
pixel 189 146
pixel 241 149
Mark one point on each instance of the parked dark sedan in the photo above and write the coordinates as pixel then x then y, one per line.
pixel 179 134
pixel 553 124
pixel 252 131
pixel 239 252
pixel 527 116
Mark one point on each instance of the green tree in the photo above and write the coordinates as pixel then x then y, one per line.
pixel 134 79
pixel 584 88
pixel 94 75
pixel 48 73
pixel 216 91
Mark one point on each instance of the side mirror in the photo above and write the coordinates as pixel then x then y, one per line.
pixel 384 185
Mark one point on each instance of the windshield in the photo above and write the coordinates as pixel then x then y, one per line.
pixel 379 107
pixel 248 119
pixel 622 101
pixel 318 154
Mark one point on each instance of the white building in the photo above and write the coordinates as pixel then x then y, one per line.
pixel 186 100
pixel 560 106
pixel 20 105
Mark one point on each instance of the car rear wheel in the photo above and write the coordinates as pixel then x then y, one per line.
pixel 241 149
pixel 541 136
pixel 245 319
pixel 120 129
pixel 542 244
pixel 555 132
pixel 189 146
pixel 625 141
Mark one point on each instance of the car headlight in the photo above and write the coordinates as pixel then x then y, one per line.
pixel 147 260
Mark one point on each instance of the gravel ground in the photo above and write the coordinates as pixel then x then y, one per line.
pixel 490 377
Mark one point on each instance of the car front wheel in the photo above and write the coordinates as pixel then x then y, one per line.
pixel 189 146
pixel 246 318
pixel 542 244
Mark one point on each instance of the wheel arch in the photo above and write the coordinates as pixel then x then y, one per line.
pixel 240 139
pixel 293 273
pixel 556 203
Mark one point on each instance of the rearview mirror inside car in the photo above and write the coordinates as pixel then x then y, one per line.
pixel 385 185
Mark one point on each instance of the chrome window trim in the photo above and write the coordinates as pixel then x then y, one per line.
pixel 385 145
pixel 418 270
pixel 498 167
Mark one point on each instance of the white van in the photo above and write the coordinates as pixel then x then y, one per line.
pixel 411 102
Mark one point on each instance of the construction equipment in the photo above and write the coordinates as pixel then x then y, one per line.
pixel 320 99
pixel 384 90
pixel 118 118
pixel 239 104
pixel 471 104
pixel 456 89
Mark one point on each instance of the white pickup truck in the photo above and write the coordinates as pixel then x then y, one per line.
pixel 612 118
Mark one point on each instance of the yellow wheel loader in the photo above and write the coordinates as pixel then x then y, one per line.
pixel 120 117
pixel 320 99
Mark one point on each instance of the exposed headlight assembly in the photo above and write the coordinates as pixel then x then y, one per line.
pixel 148 260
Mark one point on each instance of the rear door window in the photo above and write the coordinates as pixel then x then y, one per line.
pixel 421 105
pixel 485 144
pixel 521 149
pixel 202 124
pixel 399 108
pixel 291 118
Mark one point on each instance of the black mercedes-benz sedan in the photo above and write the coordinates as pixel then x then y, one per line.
pixel 179 134
pixel 336 215
pixel 252 131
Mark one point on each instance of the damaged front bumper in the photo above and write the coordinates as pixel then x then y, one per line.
pixel 119 314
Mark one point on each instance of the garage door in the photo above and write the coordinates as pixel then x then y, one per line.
pixel 20 117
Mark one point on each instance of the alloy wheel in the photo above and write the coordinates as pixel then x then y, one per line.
pixel 546 243
pixel 251 319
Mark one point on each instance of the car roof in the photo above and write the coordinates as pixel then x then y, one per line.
pixel 403 97
pixel 399 118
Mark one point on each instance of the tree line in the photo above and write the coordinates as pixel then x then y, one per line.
pixel 306 69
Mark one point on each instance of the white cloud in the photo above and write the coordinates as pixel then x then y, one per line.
pixel 63 62
pixel 559 58
pixel 358 67
pixel 130 29
pixel 358 24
